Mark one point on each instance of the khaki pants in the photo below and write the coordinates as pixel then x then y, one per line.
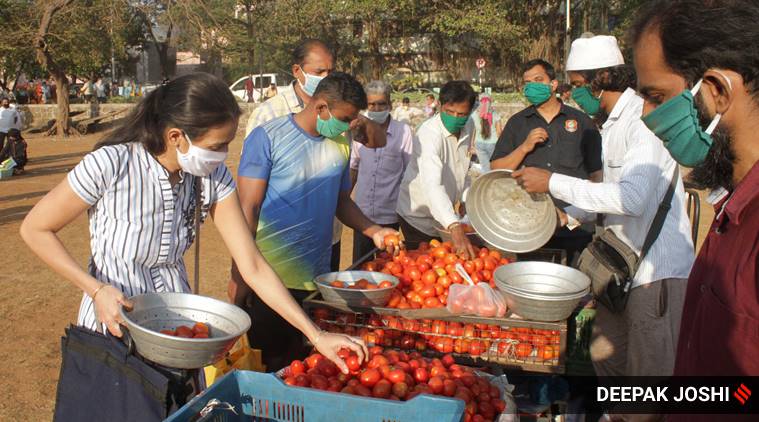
pixel 642 340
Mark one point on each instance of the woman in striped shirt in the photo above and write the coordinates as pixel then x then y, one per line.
pixel 139 187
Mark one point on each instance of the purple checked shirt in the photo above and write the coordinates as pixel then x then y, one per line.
pixel 380 171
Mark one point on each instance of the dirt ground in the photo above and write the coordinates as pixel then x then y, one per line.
pixel 36 304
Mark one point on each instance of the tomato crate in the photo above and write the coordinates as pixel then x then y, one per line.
pixel 511 343
pixel 246 396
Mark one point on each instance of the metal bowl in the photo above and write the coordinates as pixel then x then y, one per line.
pixel 541 291
pixel 508 217
pixel 153 312
pixel 352 297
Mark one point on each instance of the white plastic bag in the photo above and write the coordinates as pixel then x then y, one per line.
pixel 479 300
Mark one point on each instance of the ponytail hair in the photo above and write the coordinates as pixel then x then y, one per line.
pixel 194 103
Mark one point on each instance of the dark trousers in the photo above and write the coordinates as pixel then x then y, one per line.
pixel 411 236
pixel 362 245
pixel 280 343
pixel 2 140
pixel 334 259
pixel 573 242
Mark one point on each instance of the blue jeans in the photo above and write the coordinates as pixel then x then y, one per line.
pixel 484 152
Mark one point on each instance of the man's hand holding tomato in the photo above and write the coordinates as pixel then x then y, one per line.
pixel 386 239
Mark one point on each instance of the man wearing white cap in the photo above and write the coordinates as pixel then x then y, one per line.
pixel 641 339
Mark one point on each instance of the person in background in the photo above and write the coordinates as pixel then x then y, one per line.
pixel 698 77
pixel 430 108
pixel 293 181
pixel 555 137
pixel 15 148
pixel 564 92
pixel 249 88
pixel 405 113
pixel 376 173
pixel 100 91
pixel 88 91
pixel 45 92
pixel 488 128
pixel 637 174
pixel 438 174
pixel 8 119
pixel 271 91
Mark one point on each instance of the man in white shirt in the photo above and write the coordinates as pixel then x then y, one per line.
pixel 404 113
pixel 437 175
pixel 637 169
pixel 9 119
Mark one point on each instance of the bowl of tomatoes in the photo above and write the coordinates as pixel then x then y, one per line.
pixel 183 330
pixel 356 288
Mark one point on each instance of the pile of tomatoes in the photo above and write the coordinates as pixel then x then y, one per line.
pixel 400 376
pixel 426 273
pixel 475 340
pixel 199 330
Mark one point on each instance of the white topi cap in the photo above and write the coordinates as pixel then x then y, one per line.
pixel 594 53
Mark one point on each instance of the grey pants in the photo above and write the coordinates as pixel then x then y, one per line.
pixel 642 340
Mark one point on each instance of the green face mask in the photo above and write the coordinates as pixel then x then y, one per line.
pixel 584 98
pixel 453 124
pixel 676 123
pixel 537 93
pixel 332 127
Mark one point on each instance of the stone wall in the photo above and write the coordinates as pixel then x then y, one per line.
pixel 37 115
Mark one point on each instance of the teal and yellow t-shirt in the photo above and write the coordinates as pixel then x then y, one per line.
pixel 305 174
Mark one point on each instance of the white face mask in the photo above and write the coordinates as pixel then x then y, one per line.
pixel 377 116
pixel 199 161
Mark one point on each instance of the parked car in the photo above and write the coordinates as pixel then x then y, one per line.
pixel 260 82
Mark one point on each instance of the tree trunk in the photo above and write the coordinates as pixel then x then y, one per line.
pixel 45 58
pixel 62 126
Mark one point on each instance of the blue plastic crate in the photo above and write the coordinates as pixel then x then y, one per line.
pixel 264 397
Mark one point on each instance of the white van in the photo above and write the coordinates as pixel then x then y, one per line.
pixel 260 82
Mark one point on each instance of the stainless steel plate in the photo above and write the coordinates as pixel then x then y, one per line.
pixel 508 217
pixel 541 278
pixel 378 297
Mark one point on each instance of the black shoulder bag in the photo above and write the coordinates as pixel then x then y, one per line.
pixel 611 264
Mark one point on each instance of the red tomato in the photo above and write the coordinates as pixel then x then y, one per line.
pixel 370 377
pixel 469 267
pixel 361 390
pixel 313 360
pixel 184 331
pixel 377 361
pixel 438 252
pixel 319 382
pixel 327 368
pixel 448 360
pixel 483 252
pixel 449 388
pixel 334 385
pixel 499 405
pixel 200 335
pixel 400 389
pixel 297 368
pixel 303 380
pixel 382 389
pixel 421 375
pixel 523 350
pixel 396 376
pixel 199 328
pixel 469 331
pixel 438 327
pixel 290 381
pixel 432 302
pixel 436 385
pixel 385 284
pixel 487 275
pixel 538 340
pixel 429 277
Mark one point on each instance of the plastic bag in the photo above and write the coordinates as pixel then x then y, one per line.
pixel 480 300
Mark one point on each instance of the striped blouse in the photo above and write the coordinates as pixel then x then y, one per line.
pixel 140 226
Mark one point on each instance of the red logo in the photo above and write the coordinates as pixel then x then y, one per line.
pixel 742 394
pixel 570 125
